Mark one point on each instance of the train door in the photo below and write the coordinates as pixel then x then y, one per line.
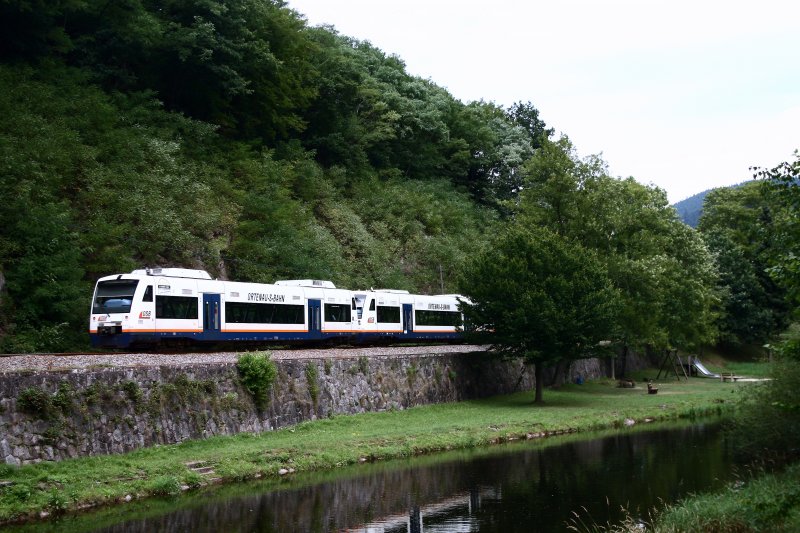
pixel 314 319
pixel 211 316
pixel 408 315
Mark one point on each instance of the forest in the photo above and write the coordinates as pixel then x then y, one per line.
pixel 235 138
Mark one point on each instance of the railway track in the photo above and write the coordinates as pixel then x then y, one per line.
pixel 88 360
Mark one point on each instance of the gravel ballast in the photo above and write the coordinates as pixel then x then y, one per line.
pixel 38 362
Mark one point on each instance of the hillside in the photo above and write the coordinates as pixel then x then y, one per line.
pixel 236 140
pixel 690 209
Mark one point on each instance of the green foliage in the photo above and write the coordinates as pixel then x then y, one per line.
pixel 257 374
pixel 63 398
pixel 537 296
pixel 133 391
pixel 662 270
pixel 784 257
pixel 190 390
pixel 739 226
pixel 269 166
pixel 768 503
pixel 768 422
pixel 363 365
pixel 312 378
pixel 164 486
pixel 233 137
pixel 36 402
pixel 57 501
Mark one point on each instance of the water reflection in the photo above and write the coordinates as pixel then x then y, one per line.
pixel 525 487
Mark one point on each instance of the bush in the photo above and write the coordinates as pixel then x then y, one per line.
pixel 62 400
pixel 35 401
pixel 257 374
pixel 363 365
pixel 132 391
pixel 768 424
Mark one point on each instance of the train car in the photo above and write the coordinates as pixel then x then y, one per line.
pixel 398 315
pixel 166 305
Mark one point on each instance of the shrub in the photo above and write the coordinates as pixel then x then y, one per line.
pixel 768 421
pixel 62 400
pixel 35 401
pixel 363 365
pixel 257 374
pixel 132 391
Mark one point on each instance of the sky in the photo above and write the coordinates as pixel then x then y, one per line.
pixel 684 95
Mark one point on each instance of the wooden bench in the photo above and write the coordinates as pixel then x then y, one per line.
pixel 728 376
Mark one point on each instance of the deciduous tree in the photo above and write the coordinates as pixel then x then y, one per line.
pixel 539 296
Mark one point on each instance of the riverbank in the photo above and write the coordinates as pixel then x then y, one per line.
pixel 766 503
pixel 46 489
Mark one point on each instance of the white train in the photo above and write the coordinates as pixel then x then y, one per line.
pixel 159 305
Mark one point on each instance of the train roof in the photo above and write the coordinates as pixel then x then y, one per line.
pixel 173 273
pixel 315 283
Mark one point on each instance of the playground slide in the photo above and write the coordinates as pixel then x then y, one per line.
pixel 702 370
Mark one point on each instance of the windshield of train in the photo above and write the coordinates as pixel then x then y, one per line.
pixel 115 296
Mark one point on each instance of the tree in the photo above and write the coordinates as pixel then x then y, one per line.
pixel 738 225
pixel 539 296
pixel 527 116
pixel 637 236
pixel 784 261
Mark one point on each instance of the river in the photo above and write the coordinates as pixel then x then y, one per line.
pixel 526 486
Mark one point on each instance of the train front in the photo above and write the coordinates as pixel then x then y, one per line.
pixel 112 318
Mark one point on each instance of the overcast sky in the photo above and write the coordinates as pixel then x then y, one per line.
pixel 686 95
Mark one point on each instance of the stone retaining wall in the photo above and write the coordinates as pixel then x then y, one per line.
pixel 53 415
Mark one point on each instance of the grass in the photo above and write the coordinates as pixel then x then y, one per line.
pixel 80 483
pixel 768 503
pixel 746 366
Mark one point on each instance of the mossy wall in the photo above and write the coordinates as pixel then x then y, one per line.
pixel 53 415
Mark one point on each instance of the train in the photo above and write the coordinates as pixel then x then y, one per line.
pixel 163 306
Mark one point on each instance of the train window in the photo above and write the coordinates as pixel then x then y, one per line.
pixel 337 313
pixel 388 314
pixel 148 294
pixel 177 307
pixel 114 296
pixel 372 305
pixel 437 318
pixel 258 313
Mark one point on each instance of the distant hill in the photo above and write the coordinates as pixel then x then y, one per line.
pixel 691 208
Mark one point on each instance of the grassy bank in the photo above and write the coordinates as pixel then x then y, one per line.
pixel 766 503
pixel 68 485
